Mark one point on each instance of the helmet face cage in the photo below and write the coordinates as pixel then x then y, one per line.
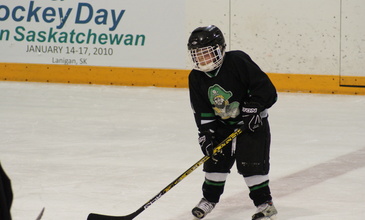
pixel 208 58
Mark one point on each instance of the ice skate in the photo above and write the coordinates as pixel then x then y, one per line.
pixel 265 211
pixel 203 208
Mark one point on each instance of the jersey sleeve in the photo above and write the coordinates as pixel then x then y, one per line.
pixel 260 88
pixel 205 118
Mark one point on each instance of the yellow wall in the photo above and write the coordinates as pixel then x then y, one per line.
pixel 324 84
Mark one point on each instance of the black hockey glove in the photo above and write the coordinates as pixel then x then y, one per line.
pixel 251 116
pixel 207 144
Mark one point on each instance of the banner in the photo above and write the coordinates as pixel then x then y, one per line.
pixel 120 33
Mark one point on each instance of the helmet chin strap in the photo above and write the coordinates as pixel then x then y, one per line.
pixel 207 68
pixel 213 73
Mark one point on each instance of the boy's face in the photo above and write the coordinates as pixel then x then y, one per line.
pixel 205 56
pixel 208 58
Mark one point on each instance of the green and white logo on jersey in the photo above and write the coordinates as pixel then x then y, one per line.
pixel 219 98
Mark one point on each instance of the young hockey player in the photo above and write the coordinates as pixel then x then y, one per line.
pixel 227 91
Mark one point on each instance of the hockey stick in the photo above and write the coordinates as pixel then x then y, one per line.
pixel 40 215
pixel 93 216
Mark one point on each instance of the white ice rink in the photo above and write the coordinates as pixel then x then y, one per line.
pixel 76 149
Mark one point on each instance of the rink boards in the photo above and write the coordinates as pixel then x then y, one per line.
pixel 326 84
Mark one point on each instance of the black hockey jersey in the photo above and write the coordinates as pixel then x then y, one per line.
pixel 220 97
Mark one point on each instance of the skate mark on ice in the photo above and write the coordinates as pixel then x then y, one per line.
pixel 318 173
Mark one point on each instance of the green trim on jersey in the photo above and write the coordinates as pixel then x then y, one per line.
pixel 207 115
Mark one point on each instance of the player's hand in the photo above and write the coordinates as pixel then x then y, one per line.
pixel 207 143
pixel 251 116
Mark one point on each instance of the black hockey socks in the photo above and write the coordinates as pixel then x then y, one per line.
pixel 212 190
pixel 260 193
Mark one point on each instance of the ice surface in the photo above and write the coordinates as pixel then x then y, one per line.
pixel 76 149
